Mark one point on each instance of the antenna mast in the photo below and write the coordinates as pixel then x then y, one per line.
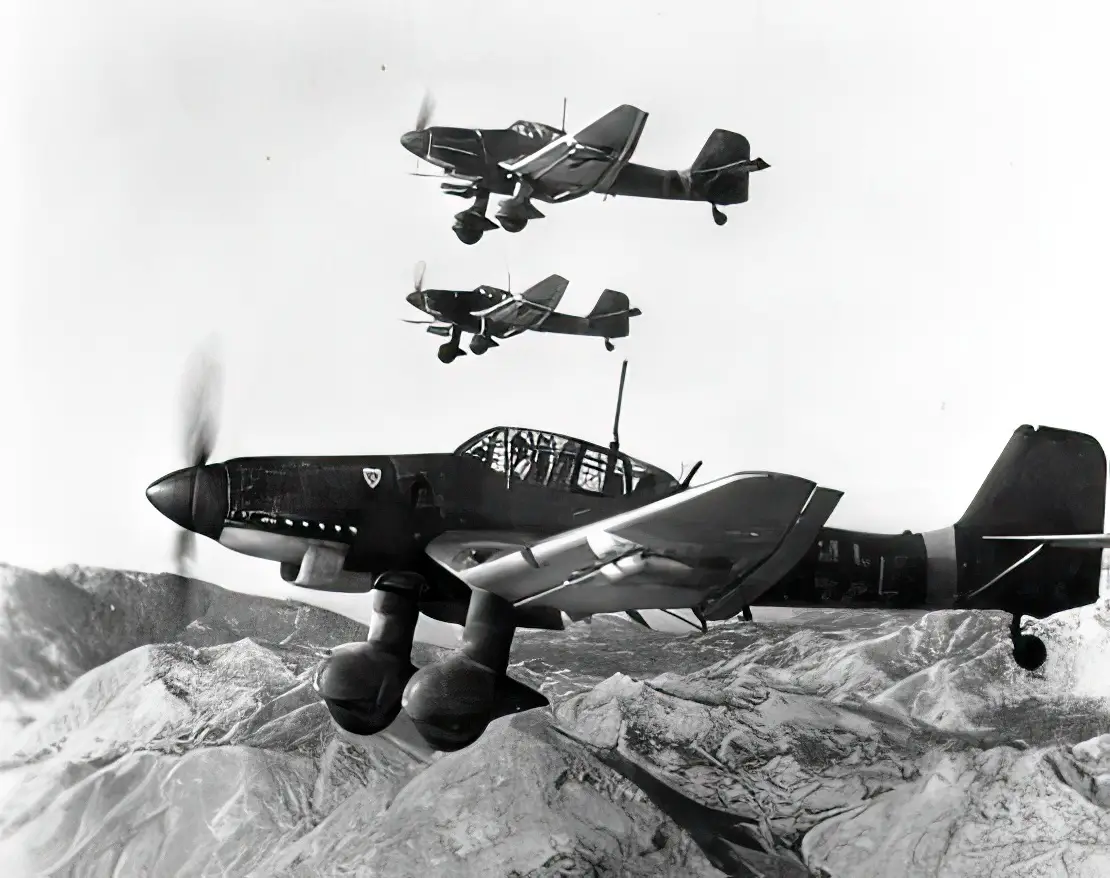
pixel 564 125
pixel 615 445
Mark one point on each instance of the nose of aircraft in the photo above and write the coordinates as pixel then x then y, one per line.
pixel 194 498
pixel 415 299
pixel 416 142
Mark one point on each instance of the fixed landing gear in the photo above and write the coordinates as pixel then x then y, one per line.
pixel 362 683
pixel 468 234
pixel 450 350
pixel 609 346
pixel 514 213
pixel 1029 650
pixel 472 223
pixel 452 701
pixel 479 344
pixel 718 216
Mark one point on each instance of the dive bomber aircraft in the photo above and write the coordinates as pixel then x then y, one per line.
pixel 532 161
pixel 517 527
pixel 491 314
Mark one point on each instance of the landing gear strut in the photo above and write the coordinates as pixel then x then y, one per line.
pixel 718 217
pixel 449 350
pixel 362 683
pixel 472 223
pixel 514 213
pixel 452 701
pixel 1029 650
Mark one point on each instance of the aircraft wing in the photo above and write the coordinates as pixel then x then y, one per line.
pixel 588 161
pixel 529 310
pixel 691 548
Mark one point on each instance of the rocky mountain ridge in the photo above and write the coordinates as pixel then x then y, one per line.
pixel 169 729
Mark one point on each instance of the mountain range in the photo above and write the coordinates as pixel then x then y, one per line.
pixel 155 725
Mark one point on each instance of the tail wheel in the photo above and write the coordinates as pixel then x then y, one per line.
pixel 1029 650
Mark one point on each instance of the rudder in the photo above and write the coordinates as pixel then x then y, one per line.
pixel 722 170
pixel 1045 481
pixel 610 315
pixel 721 148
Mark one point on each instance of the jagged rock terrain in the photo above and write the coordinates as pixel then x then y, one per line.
pixel 161 726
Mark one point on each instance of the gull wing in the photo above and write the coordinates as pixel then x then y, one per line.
pixel 588 161
pixel 691 548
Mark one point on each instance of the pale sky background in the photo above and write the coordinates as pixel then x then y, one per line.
pixel 921 270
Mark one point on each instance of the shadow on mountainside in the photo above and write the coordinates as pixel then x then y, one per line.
pixel 169 728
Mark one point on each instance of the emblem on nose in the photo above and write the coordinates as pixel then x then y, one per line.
pixel 372 476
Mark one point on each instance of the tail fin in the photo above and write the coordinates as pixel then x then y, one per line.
pixel 722 167
pixel 609 316
pixel 1031 540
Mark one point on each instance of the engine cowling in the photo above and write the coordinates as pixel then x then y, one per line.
pixel 362 683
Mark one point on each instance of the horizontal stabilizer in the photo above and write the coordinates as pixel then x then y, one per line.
pixel 1062 541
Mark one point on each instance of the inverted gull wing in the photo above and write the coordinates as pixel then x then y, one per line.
pixel 588 161
pixel 530 310
pixel 460 550
pixel 674 553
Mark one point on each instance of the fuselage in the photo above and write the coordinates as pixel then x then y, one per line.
pixel 477 153
pixel 379 512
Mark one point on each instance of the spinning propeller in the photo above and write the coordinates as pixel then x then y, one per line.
pixel 424 114
pixel 423 118
pixel 417 288
pixel 201 399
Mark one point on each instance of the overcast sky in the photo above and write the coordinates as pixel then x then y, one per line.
pixel 921 270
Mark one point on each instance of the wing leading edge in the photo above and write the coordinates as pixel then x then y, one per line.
pixel 693 547
pixel 530 310
pixel 588 161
